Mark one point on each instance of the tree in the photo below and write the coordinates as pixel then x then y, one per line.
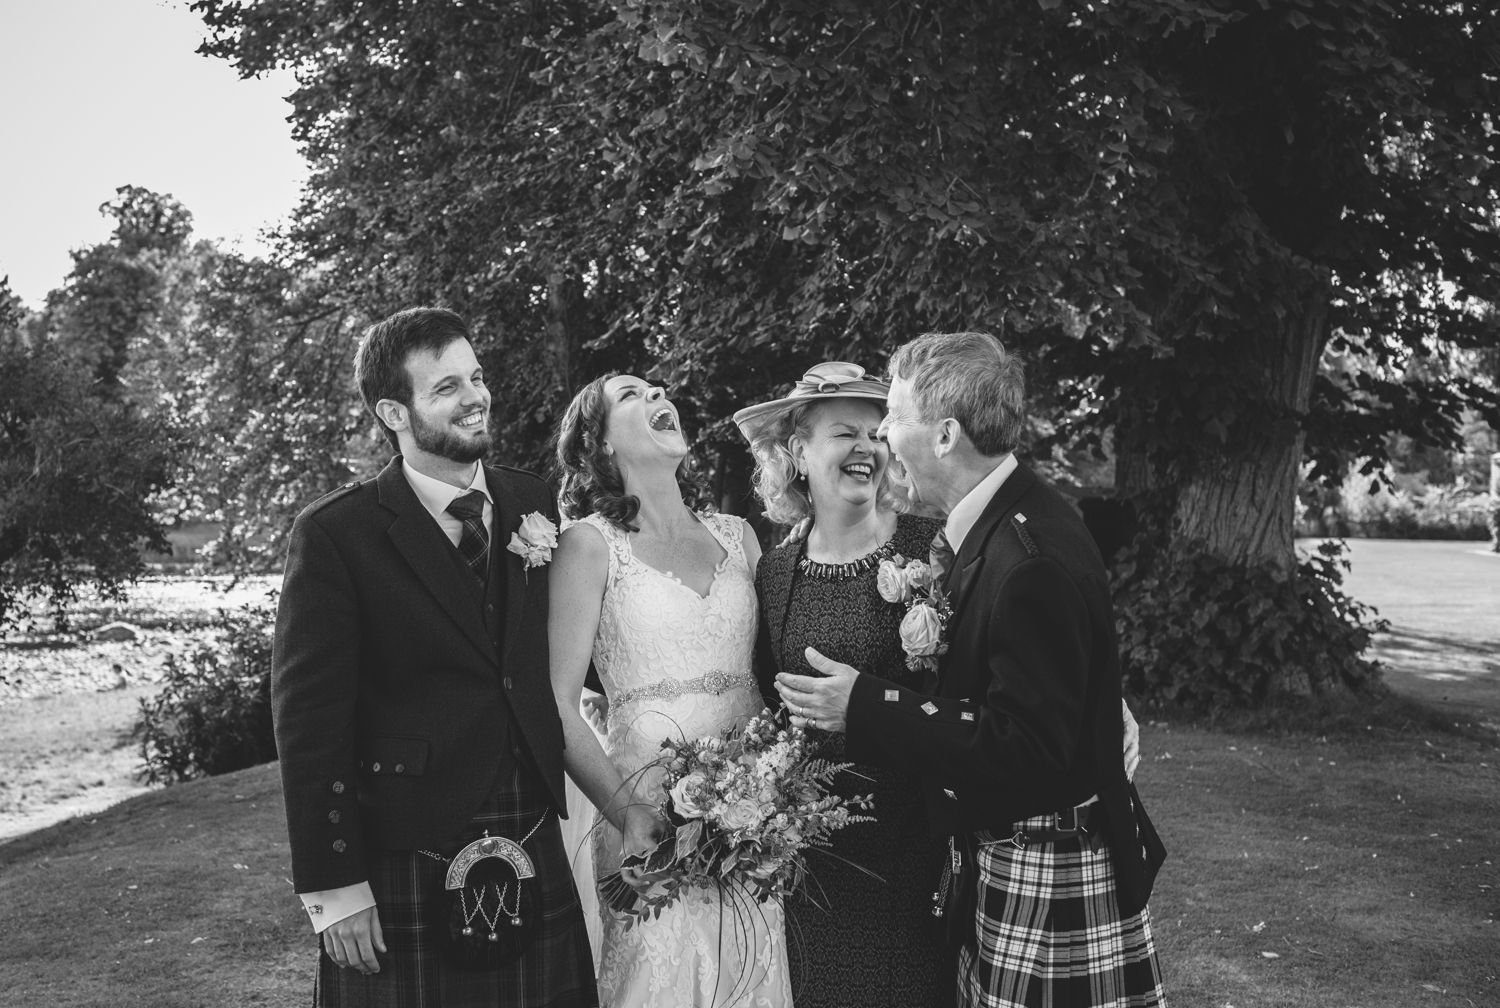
pixel 77 471
pixel 1174 208
pixel 268 403
pixel 114 300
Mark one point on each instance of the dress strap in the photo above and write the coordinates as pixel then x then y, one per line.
pixel 614 538
pixel 729 530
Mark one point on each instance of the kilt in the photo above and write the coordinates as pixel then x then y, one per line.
pixel 555 971
pixel 1050 933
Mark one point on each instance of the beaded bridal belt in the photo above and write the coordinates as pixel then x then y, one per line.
pixel 671 689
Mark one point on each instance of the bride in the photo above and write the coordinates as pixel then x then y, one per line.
pixel 660 594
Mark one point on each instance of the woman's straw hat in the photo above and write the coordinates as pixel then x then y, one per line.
pixel 829 380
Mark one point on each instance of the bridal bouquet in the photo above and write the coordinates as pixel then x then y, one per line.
pixel 744 807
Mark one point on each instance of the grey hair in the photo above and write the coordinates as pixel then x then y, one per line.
pixel 970 377
pixel 788 499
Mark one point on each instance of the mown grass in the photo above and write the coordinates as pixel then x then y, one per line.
pixel 1321 852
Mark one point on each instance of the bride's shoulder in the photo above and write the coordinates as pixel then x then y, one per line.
pixel 589 535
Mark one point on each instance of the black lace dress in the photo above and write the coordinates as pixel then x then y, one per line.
pixel 872 941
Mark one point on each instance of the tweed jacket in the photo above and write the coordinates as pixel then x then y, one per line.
pixel 400 690
pixel 1022 717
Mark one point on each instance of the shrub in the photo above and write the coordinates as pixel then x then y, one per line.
pixel 1414 510
pixel 213 714
pixel 1200 633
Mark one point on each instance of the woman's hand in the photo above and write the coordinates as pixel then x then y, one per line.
pixel 595 709
pixel 643 831
pixel 798 532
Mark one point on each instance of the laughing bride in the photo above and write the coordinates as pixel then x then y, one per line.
pixel 660 594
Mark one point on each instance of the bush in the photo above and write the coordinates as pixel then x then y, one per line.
pixel 1199 633
pixel 213 714
pixel 1412 509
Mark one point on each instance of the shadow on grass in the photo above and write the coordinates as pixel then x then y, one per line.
pixel 1383 713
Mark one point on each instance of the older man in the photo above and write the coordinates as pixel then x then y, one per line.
pixel 1017 736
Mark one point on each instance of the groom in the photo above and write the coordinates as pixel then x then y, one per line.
pixel 411 698
pixel 1017 737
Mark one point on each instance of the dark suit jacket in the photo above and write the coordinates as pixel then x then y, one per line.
pixel 1023 716
pixel 400 692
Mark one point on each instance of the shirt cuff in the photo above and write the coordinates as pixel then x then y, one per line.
pixel 333 905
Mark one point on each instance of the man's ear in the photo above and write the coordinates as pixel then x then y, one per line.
pixel 949 432
pixel 393 414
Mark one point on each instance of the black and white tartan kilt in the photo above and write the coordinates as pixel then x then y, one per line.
pixel 555 971
pixel 1050 934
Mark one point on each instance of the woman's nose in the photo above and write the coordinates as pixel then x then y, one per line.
pixel 654 393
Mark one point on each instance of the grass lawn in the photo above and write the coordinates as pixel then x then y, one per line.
pixel 1321 853
pixel 1355 872
pixel 1443 603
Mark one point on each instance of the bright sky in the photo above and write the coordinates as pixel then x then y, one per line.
pixel 97 94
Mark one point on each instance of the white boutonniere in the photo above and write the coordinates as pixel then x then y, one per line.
pixel 534 541
pixel 913 583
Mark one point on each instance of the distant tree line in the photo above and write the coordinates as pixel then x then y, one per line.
pixel 1235 241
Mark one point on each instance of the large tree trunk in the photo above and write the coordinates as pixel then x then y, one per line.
pixel 1241 506
pixel 567 319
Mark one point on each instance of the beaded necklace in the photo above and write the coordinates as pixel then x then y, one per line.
pixel 845 571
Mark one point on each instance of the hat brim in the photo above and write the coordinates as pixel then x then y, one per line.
pixel 752 418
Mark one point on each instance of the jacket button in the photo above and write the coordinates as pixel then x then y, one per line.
pixel 338 787
pixel 508 683
pixel 339 846
pixel 400 768
pixel 334 816
pixel 375 767
pixel 489 607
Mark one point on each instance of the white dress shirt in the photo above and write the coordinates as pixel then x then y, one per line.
pixel 332 905
pixel 967 511
pixel 436 495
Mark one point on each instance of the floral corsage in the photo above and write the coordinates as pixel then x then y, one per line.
pixel 534 541
pixel 913 583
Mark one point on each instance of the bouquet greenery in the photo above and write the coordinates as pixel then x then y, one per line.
pixel 743 807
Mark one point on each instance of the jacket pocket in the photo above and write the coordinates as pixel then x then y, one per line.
pixel 393 754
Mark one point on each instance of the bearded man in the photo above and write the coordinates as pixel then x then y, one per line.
pixel 414 714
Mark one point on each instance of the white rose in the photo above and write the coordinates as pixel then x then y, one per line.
pixel 920 574
pixel 682 799
pixel 537 529
pixel 739 815
pixel 921 631
pixel 892 582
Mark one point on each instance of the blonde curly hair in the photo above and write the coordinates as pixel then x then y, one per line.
pixel 786 495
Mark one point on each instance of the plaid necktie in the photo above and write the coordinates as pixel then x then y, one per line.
pixel 474 543
pixel 941 556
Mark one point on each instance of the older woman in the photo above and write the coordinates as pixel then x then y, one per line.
pixel 865 936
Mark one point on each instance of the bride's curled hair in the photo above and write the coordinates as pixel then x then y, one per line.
pixel 591 483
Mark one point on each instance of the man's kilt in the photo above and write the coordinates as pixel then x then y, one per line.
pixel 1049 930
pixel 555 971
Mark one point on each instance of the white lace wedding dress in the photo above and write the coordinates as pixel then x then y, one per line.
pixel 675 663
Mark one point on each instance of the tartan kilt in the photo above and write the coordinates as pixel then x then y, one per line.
pixel 1050 933
pixel 555 971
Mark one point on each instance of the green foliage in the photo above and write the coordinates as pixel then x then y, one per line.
pixel 213 713
pixel 1225 235
pixel 1197 632
pixel 266 391
pixel 77 472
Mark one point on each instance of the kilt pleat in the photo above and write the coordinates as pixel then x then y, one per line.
pixel 1050 933
pixel 555 971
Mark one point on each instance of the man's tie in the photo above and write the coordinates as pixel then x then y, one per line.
pixel 474 542
pixel 941 556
